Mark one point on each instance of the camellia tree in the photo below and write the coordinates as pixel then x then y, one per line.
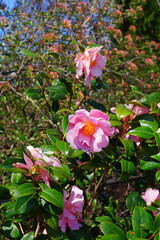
pixel 80 124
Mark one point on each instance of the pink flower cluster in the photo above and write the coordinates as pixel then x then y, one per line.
pixel 72 211
pixel 67 23
pixel 89 131
pixel 4 22
pixel 91 62
pixel 35 164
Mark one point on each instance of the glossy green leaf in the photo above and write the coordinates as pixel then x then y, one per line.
pixel 133 200
pixel 128 168
pixel 148 163
pixel 10 230
pixel 122 111
pixel 111 228
pixel 153 125
pixel 129 146
pixel 140 216
pixel 25 204
pixel 16 177
pixel 48 149
pixel 7 165
pixel 112 237
pixel 157 176
pixel 34 93
pixel 156 156
pixel 143 132
pixel 4 193
pixel 9 210
pixel 63 147
pixel 75 153
pixel 28 53
pixel 61 172
pixel 55 55
pixel 65 124
pixel 103 219
pixel 156 223
pixel 157 138
pixel 52 196
pixel 28 236
pixel 57 92
pixel 24 190
pixel 96 105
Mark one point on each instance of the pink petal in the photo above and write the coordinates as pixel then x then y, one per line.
pixel 98 114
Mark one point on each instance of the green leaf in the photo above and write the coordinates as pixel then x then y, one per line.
pixel 48 149
pixel 57 92
pixel 157 176
pixel 143 132
pixel 148 163
pixel 103 219
pixel 52 196
pixel 128 169
pixel 10 230
pixel 61 172
pixel 25 204
pixel 28 53
pixel 156 156
pixel 24 190
pixel 157 138
pixel 96 105
pixel 133 200
pixel 63 147
pixel 156 223
pixel 28 236
pixel 75 153
pixel 111 228
pixel 112 237
pixel 155 97
pixel 140 216
pixel 7 165
pixel 122 111
pixel 65 124
pixel 16 177
pixel 34 93
pixel 4 193
pixel 153 125
pixel 9 210
pixel 129 146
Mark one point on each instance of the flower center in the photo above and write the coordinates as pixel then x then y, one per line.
pixel 92 63
pixel 89 128
pixel 34 170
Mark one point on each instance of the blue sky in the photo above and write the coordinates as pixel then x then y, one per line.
pixel 10 3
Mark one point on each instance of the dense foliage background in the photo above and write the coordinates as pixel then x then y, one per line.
pixel 39 41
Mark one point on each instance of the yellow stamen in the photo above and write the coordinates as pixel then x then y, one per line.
pixel 92 63
pixel 89 128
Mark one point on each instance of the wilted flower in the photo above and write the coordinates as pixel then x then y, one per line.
pixel 72 211
pixel 36 162
pixel 89 131
pixel 91 62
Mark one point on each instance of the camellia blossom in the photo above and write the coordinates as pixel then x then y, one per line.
pixel 35 164
pixel 89 131
pixel 150 196
pixel 72 211
pixel 91 62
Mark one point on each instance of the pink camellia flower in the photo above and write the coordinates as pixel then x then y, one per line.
pixel 91 62
pixel 72 211
pixel 89 131
pixel 150 196
pixel 35 164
